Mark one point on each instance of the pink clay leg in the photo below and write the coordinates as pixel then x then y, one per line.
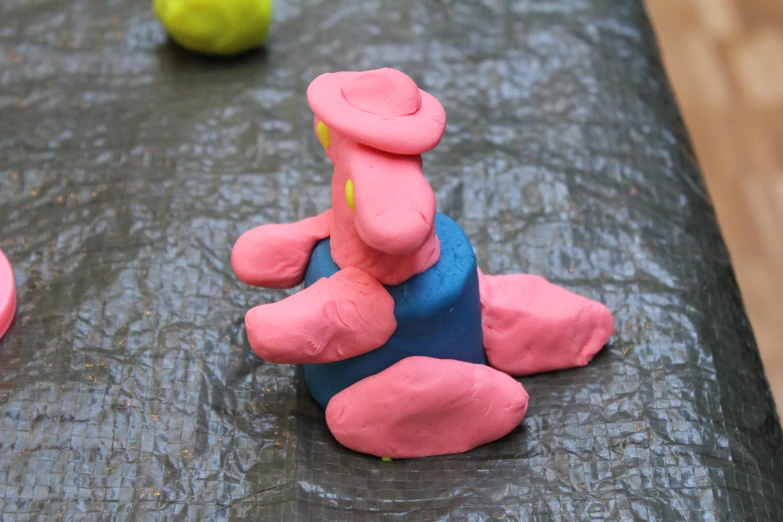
pixel 532 326
pixel 343 316
pixel 422 406
pixel 276 256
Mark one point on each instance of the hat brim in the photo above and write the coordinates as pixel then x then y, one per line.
pixel 414 134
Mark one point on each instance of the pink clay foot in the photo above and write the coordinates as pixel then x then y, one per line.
pixel 343 316
pixel 276 256
pixel 532 326
pixel 422 406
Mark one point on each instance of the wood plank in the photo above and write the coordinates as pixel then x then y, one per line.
pixel 724 59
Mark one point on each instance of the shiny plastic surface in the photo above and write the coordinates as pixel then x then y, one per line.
pixel 128 169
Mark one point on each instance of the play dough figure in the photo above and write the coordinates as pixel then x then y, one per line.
pixel 216 27
pixel 408 346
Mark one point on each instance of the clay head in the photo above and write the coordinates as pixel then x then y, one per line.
pixel 383 109
pixel 374 126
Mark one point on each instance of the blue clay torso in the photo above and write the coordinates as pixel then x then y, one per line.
pixel 438 315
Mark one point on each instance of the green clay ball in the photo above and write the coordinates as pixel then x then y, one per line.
pixel 216 27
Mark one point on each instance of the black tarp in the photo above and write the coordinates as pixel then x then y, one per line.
pixel 129 167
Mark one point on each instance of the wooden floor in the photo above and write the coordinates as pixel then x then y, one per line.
pixel 724 59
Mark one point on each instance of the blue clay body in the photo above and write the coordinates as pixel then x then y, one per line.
pixel 438 315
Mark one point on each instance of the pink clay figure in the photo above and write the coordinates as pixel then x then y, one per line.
pixel 405 343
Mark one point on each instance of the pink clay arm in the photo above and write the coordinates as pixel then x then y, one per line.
pixel 276 256
pixel 346 315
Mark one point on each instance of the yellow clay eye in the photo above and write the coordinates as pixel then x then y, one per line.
pixel 323 134
pixel 349 194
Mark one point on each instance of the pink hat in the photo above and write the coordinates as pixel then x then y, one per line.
pixel 383 109
pixel 7 295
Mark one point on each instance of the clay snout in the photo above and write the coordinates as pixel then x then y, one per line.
pixel 393 204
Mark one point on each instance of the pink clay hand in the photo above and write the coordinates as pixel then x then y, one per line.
pixel 276 256
pixel 532 326
pixel 343 316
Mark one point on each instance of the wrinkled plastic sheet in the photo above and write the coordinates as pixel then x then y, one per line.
pixel 130 167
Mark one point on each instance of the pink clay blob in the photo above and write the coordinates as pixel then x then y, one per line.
pixel 7 295
pixel 276 256
pixel 343 316
pixel 422 407
pixel 383 109
pixel 532 326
